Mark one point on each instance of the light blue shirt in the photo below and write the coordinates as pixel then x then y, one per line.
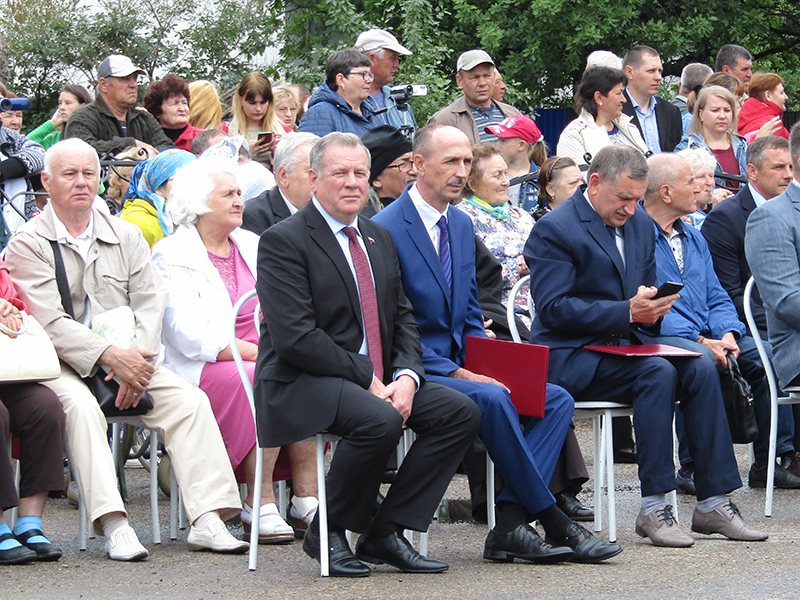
pixel 344 243
pixel 649 123
pixel 757 197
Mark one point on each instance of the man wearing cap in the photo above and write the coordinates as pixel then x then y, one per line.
pixel 113 122
pixel 392 167
pixel 516 137
pixel 475 110
pixel 384 52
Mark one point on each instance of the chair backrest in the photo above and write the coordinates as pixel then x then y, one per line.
pixel 753 327
pixel 511 304
pixel 237 356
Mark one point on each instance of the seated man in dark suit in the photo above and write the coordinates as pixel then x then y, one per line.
pixel 769 172
pixel 592 265
pixel 292 190
pixel 340 351
pixel 436 248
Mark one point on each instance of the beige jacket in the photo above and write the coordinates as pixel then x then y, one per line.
pixel 459 115
pixel 118 273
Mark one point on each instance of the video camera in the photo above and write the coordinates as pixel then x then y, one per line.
pixel 402 93
pixel 14 104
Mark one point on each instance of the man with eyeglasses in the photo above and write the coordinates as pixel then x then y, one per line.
pixel 113 122
pixel 392 167
pixel 338 104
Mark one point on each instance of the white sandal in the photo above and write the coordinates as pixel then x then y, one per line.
pixel 301 513
pixel 272 529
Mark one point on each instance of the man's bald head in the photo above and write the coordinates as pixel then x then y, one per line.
pixel 670 181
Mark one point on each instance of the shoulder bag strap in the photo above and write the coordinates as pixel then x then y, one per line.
pixel 61 280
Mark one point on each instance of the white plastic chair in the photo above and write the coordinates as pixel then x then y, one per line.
pixel 776 400
pixel 601 412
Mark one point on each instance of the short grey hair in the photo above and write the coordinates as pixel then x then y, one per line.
pixel 730 54
pixel 694 75
pixel 611 162
pixel 287 149
pixel 662 169
pixel 192 185
pixel 757 150
pixel 70 146
pixel 320 149
pixel 699 158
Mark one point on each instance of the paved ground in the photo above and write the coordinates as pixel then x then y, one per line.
pixel 714 567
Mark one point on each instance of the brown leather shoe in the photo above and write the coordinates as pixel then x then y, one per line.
pixel 661 527
pixel 727 520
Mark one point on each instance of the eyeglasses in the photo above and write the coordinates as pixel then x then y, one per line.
pixel 403 166
pixel 365 75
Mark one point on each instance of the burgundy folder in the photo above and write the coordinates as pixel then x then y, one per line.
pixel 522 368
pixel 644 350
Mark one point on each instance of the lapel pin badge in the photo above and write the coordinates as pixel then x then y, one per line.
pixel 371 241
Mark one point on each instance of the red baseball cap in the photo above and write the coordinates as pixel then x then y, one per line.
pixel 516 126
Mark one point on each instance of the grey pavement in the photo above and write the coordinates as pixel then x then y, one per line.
pixel 714 567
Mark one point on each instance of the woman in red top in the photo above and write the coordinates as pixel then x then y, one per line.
pixel 168 101
pixel 33 414
pixel 764 108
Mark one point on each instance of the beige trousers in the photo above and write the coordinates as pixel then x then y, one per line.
pixel 183 418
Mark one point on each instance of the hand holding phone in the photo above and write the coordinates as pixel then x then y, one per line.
pixel 668 288
pixel 265 137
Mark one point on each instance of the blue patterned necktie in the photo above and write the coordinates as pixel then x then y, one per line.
pixel 444 251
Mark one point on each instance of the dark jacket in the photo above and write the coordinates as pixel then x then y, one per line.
pixel 328 111
pixel 668 118
pixel 96 125
pixel 263 211
pixel 724 231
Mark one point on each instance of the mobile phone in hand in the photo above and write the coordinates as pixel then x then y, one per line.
pixel 265 137
pixel 668 288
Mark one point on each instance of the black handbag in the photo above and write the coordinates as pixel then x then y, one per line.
pixel 738 399
pixel 104 391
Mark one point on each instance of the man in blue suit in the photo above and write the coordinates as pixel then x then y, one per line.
pixel 592 265
pixel 436 248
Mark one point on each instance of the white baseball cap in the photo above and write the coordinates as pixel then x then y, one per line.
pixel 375 39
pixel 118 65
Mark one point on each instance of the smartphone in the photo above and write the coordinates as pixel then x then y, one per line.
pixel 668 288
pixel 265 137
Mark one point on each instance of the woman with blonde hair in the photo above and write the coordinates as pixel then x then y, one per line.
pixel 205 110
pixel 254 116
pixel 287 106
pixel 713 128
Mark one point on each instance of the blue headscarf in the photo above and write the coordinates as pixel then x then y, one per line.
pixel 151 174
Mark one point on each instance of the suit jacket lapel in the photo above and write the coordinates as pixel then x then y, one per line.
pixel 377 254
pixel 661 122
pixel 323 236
pixel 419 237
pixel 277 205
pixel 596 228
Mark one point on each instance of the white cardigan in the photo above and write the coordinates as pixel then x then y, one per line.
pixel 199 314
pixel 584 135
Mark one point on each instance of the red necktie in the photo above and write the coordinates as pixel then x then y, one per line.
pixel 369 302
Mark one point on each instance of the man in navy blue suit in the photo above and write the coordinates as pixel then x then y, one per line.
pixel 592 264
pixel 436 248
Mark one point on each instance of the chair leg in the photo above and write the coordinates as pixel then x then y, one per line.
pixel 324 567
pixel 773 442
pixel 609 455
pixel 154 486
pixel 12 514
pixel 256 513
pixel 282 503
pixel 82 522
pixel 174 503
pixel 490 493
pixel 598 472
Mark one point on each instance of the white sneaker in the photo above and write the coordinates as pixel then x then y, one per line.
pixel 215 537
pixel 123 544
pixel 272 529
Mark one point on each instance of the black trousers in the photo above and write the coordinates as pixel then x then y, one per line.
pixel 445 422
pixel 33 413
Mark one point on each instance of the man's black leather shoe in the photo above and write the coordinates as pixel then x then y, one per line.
pixel 784 479
pixel 341 560
pixel 523 543
pixel 573 508
pixel 791 462
pixel 394 549
pixel 587 548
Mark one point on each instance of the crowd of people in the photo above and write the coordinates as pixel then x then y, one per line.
pixel 376 246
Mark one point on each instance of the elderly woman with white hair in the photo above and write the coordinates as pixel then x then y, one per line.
pixel 706 196
pixel 207 264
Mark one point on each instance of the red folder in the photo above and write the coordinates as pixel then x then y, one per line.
pixel 644 350
pixel 522 368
